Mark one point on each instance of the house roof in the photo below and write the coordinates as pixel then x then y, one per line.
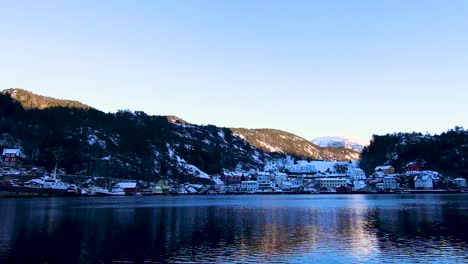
pixel 388 167
pixel 124 185
pixel 330 179
pixel 11 151
pixel 423 177
pixel 249 182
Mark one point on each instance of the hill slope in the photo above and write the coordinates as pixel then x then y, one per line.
pixel 29 100
pixel 281 142
pixel 123 144
pixel 446 153
pixel 135 145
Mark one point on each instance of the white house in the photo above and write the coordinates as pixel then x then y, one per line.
pixel 286 185
pixel 279 178
pixel 265 184
pixel 297 184
pixel 249 186
pixel 332 183
pixel 460 182
pixel 359 185
pixel 390 183
pixel 356 174
pixel 292 185
pixel 423 182
pixel 379 186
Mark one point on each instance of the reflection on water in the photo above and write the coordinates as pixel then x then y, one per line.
pixel 286 228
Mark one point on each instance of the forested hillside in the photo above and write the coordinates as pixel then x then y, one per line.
pixel 446 153
pixel 123 144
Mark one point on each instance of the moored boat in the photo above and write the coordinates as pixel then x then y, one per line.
pixel 112 192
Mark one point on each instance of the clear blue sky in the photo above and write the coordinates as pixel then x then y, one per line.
pixel 313 68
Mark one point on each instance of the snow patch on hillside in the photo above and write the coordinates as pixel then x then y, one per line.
pixel 189 168
pixel 270 147
pixel 93 139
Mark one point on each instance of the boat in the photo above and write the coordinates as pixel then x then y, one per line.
pixel 53 183
pixel 74 190
pixel 93 190
pixel 116 191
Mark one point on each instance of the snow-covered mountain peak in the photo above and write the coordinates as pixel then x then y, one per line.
pixel 337 142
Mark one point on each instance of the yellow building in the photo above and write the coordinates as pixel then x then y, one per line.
pixel 385 169
pixel 163 185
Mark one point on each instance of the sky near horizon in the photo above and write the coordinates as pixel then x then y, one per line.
pixel 313 68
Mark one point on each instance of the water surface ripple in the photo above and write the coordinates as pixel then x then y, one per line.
pixel 236 229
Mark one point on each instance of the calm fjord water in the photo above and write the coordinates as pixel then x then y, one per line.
pixel 236 229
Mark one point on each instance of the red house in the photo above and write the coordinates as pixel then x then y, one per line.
pixel 10 157
pixel 233 178
pixel 128 187
pixel 413 166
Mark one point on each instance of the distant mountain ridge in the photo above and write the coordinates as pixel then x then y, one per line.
pixel 29 100
pixel 337 142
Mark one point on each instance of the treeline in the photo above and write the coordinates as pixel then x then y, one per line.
pixel 446 153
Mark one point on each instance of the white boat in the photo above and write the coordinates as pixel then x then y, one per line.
pixel 116 191
pixel 47 182
pixel 54 183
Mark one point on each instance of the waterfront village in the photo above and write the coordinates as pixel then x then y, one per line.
pixel 282 176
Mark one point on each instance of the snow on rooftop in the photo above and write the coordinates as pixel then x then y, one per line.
pixel 387 167
pixel 11 151
pixel 125 185
pixel 330 179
